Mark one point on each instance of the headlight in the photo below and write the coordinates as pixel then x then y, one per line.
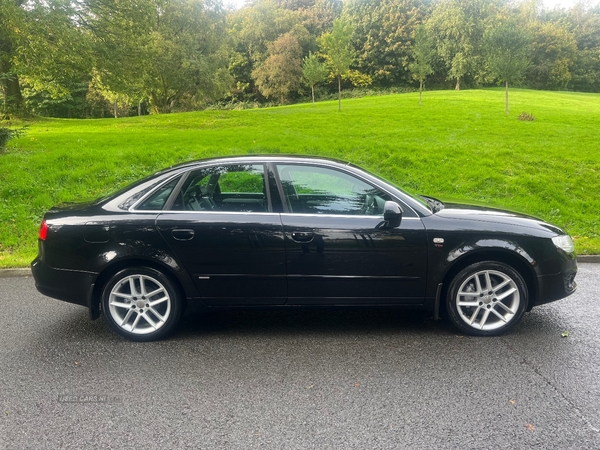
pixel 564 242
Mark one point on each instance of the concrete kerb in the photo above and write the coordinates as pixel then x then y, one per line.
pixel 26 272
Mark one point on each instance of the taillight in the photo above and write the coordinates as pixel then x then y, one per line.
pixel 43 230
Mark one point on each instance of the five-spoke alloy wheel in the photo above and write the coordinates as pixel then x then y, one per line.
pixel 141 304
pixel 487 298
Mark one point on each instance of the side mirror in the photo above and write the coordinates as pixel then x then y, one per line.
pixel 392 214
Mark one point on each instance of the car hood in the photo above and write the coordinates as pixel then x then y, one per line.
pixel 492 215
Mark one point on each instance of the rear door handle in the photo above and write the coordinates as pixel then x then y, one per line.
pixel 182 234
pixel 302 237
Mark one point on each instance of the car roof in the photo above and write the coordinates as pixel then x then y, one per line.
pixel 262 158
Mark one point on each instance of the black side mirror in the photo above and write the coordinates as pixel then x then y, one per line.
pixel 392 214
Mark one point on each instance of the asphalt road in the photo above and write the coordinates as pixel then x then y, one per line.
pixel 300 379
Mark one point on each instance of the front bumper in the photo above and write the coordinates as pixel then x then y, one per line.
pixel 557 286
pixel 73 286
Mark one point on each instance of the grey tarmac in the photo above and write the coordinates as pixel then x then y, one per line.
pixel 311 379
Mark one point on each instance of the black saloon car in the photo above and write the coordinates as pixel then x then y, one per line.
pixel 282 231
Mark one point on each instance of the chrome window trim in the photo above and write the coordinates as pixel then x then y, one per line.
pixel 341 169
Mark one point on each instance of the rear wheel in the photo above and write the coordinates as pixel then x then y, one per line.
pixel 487 299
pixel 141 304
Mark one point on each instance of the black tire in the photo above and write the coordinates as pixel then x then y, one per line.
pixel 134 314
pixel 490 311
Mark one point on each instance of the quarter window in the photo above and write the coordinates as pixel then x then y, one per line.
pixel 157 200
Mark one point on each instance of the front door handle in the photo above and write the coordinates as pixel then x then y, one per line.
pixel 182 234
pixel 303 237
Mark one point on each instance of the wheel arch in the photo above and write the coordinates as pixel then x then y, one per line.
pixel 121 264
pixel 512 259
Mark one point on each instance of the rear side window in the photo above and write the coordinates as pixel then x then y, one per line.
pixel 234 188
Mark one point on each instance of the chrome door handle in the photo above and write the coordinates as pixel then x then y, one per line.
pixel 302 237
pixel 182 234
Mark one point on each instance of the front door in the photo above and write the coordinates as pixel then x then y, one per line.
pixel 337 250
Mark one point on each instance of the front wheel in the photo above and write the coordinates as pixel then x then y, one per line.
pixel 487 299
pixel 141 304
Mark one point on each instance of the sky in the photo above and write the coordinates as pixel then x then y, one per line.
pixel 548 3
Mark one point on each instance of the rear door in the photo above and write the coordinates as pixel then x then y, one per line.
pixel 223 230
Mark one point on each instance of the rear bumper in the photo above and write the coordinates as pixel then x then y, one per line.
pixel 73 286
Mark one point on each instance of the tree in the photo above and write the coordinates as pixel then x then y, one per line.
pixel 457 27
pixel 313 72
pixel 422 53
pixel 279 76
pixel 171 51
pixel 382 34
pixel 338 52
pixel 507 56
pixel 553 54
pixel 11 17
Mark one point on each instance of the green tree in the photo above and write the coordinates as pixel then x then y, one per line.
pixel 553 54
pixel 338 53
pixel 506 47
pixel 171 51
pixel 313 72
pixel 11 19
pixel 382 35
pixel 457 27
pixel 280 75
pixel 422 53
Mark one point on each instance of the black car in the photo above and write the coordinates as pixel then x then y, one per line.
pixel 283 231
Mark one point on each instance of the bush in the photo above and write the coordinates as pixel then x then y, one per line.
pixel 6 134
pixel 526 117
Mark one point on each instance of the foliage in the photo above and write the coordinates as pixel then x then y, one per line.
pixel 383 37
pixel 6 134
pixel 458 27
pixel 423 54
pixel 526 117
pixel 553 52
pixel 338 53
pixel 280 75
pixel 506 46
pixel 313 72
pixel 523 166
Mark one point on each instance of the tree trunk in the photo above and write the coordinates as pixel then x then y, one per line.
pixel 139 108
pixel 457 87
pixel 339 93
pixel 115 109
pixel 313 93
pixel 11 88
pixel 421 92
pixel 507 97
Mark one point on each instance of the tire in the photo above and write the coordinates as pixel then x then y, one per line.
pixel 141 304
pixel 487 299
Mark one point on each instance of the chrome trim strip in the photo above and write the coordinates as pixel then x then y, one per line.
pixel 372 277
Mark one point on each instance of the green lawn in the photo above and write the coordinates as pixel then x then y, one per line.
pixel 458 146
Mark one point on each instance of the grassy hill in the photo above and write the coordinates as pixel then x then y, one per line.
pixel 456 146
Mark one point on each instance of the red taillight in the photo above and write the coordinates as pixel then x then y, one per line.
pixel 43 230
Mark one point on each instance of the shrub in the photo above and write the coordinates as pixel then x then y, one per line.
pixel 526 117
pixel 6 134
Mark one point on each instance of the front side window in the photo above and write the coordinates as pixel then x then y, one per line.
pixel 235 188
pixel 320 190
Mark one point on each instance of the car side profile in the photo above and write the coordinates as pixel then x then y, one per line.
pixel 288 231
